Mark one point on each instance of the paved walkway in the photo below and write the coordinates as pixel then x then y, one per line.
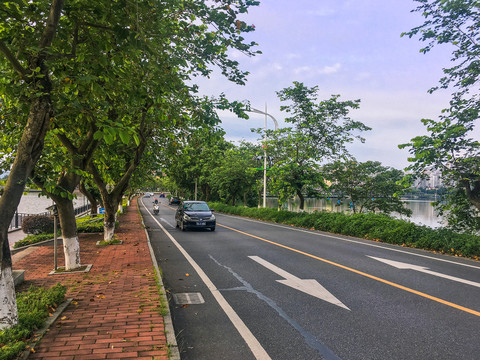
pixel 116 312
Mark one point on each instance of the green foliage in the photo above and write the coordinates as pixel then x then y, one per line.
pixel 369 186
pixel 449 149
pixel 110 242
pixel 38 224
pixel 33 239
pixel 92 226
pixel 320 131
pixel 378 227
pixel 33 308
pixel 457 23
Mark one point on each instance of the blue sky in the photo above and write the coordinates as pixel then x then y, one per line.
pixel 350 48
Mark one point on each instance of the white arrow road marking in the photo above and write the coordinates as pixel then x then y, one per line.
pixel 308 286
pixel 405 266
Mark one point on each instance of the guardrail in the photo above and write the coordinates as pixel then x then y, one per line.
pixel 17 220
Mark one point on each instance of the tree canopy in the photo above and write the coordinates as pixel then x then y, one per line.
pixel 319 133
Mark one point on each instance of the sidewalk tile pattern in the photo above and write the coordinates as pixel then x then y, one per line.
pixel 116 309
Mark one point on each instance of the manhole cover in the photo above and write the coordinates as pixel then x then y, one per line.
pixel 188 298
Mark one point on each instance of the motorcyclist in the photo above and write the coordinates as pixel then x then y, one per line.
pixel 156 201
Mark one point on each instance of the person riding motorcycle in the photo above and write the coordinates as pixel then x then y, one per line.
pixel 155 209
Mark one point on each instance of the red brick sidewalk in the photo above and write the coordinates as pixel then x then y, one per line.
pixel 116 309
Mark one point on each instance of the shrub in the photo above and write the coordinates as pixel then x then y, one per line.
pixel 90 227
pixel 37 224
pixel 94 225
pixel 33 239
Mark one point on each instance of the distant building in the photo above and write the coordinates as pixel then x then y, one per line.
pixel 432 180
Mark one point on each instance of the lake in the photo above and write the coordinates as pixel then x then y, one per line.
pixel 423 212
pixel 31 203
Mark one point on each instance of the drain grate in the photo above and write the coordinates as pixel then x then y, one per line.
pixel 188 298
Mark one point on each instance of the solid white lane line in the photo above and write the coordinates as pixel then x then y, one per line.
pixel 256 348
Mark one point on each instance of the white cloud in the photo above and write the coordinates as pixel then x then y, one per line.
pixel 312 71
pixel 330 69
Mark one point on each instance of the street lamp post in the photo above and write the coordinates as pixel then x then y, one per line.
pixel 265 149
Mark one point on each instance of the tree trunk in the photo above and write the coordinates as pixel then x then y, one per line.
pixel 28 152
pixel 472 190
pixel 71 245
pixel 302 200
pixel 206 192
pixel 8 301
pixel 111 205
pixel 90 197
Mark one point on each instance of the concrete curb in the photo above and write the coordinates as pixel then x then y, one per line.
pixel 37 336
pixel 174 353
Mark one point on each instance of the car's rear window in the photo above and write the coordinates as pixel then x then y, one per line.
pixel 196 207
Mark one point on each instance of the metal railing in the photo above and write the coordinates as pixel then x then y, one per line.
pixel 17 220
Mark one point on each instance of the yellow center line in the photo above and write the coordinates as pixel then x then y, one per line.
pixel 448 303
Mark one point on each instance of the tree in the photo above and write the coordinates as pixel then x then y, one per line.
pixel 103 51
pixel 233 179
pixel 449 146
pixel 320 133
pixel 449 149
pixel 368 186
pixel 27 35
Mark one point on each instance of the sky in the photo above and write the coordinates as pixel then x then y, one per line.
pixel 350 48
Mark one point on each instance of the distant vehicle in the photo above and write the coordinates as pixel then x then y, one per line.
pixel 174 201
pixel 195 215
pixel 162 195
pixel 147 195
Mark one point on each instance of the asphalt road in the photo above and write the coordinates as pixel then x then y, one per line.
pixel 256 290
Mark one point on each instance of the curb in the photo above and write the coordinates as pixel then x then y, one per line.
pixel 38 335
pixel 174 353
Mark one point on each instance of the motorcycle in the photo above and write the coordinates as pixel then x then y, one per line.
pixel 155 209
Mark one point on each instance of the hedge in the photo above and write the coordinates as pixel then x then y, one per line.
pixel 37 224
pixel 378 227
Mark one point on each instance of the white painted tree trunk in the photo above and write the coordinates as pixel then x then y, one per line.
pixel 71 249
pixel 108 230
pixel 8 300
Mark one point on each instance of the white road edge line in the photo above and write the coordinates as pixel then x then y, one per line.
pixel 252 342
pixel 352 241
